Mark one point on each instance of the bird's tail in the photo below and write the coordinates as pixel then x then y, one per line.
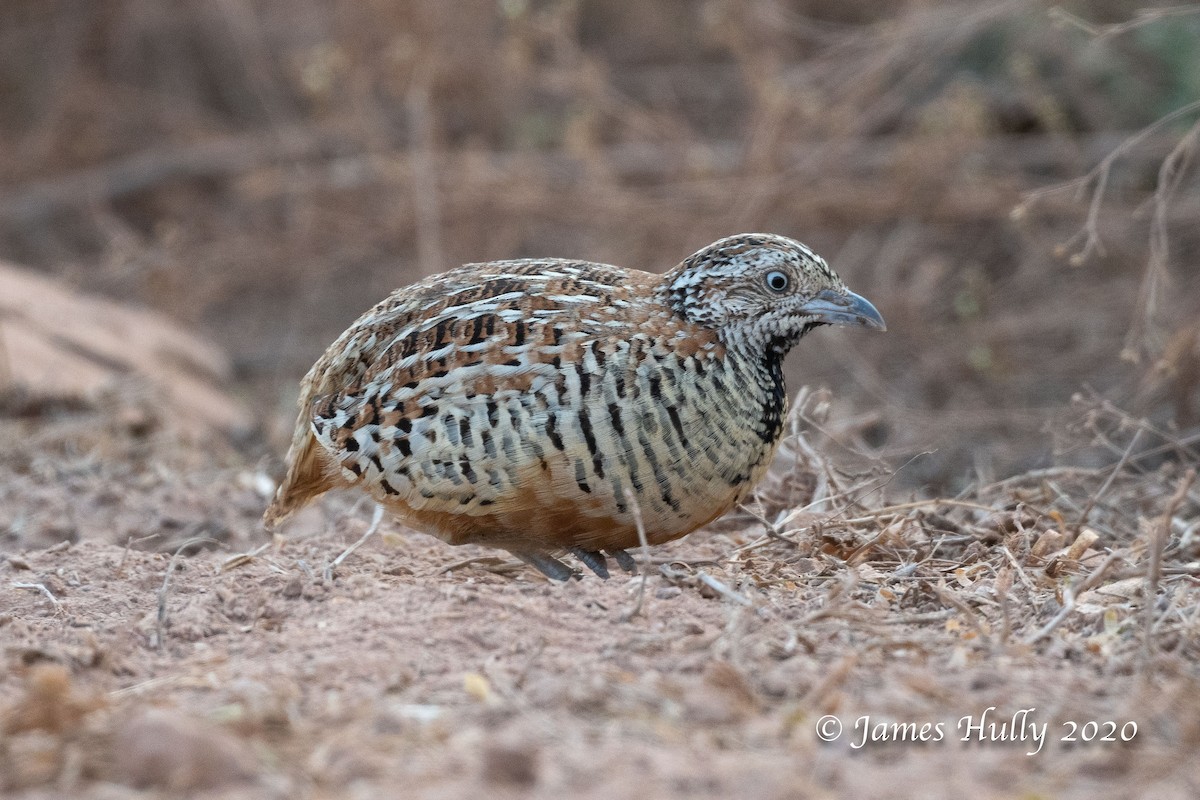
pixel 308 476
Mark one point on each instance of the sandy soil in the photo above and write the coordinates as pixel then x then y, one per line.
pixel 233 666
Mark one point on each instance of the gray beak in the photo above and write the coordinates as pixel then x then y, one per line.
pixel 843 308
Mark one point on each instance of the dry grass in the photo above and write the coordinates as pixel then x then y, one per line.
pixel 1022 557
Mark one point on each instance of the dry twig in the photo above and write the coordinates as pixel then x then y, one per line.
pixel 376 518
pixel 645 566
pixel 1069 595
pixel 1162 532
pixel 160 623
pixel 41 587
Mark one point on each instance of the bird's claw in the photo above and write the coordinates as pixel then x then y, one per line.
pixel 593 560
pixel 549 566
pixel 624 561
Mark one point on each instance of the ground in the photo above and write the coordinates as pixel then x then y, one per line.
pixel 214 660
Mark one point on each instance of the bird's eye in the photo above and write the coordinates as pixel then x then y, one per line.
pixel 777 281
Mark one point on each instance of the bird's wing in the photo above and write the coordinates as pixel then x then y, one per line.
pixel 415 382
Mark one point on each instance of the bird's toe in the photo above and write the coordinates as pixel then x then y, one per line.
pixel 593 560
pixel 624 561
pixel 549 566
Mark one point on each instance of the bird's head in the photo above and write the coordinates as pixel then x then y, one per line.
pixel 762 293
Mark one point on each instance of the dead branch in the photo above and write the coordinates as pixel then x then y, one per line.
pixel 1098 176
pixel 1170 175
pixel 217 158
pixel 1157 546
pixel 1141 18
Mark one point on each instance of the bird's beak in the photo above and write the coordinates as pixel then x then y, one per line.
pixel 843 308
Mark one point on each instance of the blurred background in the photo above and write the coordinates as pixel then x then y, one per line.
pixel 1011 183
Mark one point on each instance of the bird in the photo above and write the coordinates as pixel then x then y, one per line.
pixel 549 407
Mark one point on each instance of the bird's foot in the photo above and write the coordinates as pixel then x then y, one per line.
pixel 593 560
pixel 624 561
pixel 549 566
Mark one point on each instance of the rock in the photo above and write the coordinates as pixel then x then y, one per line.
pixel 62 348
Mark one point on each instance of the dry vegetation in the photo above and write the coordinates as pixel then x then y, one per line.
pixel 994 504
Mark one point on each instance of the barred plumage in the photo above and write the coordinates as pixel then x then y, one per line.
pixel 519 404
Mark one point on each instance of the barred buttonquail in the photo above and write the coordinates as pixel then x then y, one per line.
pixel 522 404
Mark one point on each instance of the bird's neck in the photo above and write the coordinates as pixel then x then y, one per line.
pixel 761 372
pixel 775 392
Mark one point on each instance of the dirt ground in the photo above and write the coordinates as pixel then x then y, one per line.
pixel 396 679
pixel 154 640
